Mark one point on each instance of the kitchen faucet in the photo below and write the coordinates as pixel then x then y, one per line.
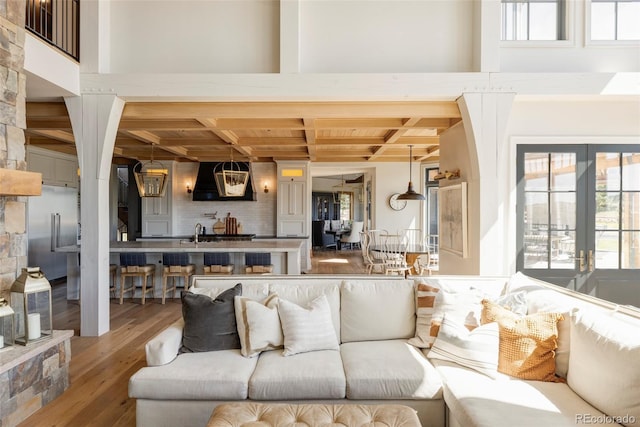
pixel 198 230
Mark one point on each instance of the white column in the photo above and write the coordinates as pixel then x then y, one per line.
pixel 289 36
pixel 485 117
pixel 95 120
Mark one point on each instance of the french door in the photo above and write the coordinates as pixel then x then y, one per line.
pixel 578 218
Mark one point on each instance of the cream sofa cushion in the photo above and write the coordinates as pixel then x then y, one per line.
pixel 475 400
pixel 604 363
pixel 213 288
pixel 210 375
pixel 313 375
pixel 362 302
pixel 389 369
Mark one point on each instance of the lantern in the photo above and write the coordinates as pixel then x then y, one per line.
pixel 31 301
pixel 6 325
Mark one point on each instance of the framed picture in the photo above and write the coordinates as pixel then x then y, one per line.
pixel 453 219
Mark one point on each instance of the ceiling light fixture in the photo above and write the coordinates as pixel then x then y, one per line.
pixel 232 180
pixel 151 178
pixel 410 194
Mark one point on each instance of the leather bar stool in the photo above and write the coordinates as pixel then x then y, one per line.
pixel 176 265
pixel 135 265
pixel 217 263
pixel 258 263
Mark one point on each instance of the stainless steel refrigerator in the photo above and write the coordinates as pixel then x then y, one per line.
pixel 52 222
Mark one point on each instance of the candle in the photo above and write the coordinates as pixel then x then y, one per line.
pixel 34 326
pixel 1 341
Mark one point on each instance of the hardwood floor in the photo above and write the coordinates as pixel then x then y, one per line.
pixel 101 366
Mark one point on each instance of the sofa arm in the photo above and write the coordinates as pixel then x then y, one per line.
pixel 164 347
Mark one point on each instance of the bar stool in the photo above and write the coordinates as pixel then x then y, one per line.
pixel 257 263
pixel 135 265
pixel 113 276
pixel 176 265
pixel 217 263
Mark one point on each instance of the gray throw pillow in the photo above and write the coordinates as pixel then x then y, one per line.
pixel 210 323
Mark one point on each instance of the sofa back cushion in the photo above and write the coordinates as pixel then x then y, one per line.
pixel 303 291
pixel 255 290
pixel 377 310
pixel 604 364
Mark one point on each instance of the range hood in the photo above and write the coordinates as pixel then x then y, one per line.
pixel 206 190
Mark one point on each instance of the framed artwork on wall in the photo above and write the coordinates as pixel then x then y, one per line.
pixel 453 219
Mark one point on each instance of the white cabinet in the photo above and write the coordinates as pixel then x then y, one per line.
pixel 156 215
pixel 293 215
pixel 57 169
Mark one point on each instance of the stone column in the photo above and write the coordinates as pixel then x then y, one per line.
pixel 13 237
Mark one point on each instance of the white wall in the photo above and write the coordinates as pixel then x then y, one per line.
pixel 192 36
pixel 386 36
pixel 454 154
pixel 393 178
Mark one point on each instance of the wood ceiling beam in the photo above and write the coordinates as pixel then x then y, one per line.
pixel 153 140
pixel 310 137
pixel 285 110
pixel 226 135
pixel 58 135
pixel 394 136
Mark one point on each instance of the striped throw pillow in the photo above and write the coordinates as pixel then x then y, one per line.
pixel 477 349
pixel 307 329
pixel 425 304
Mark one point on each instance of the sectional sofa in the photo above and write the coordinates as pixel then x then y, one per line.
pixel 377 351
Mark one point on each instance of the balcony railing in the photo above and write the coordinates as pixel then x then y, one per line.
pixel 57 22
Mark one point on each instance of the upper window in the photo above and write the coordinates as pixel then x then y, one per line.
pixel 533 20
pixel 615 19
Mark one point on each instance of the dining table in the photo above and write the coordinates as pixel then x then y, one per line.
pixel 336 236
pixel 411 250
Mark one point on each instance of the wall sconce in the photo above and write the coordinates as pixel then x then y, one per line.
pixel 455 174
pixel 189 190
pixel 266 188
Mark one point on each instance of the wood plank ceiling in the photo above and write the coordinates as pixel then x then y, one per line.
pixel 260 131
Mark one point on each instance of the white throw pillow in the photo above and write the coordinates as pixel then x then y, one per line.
pixel 604 364
pixel 258 325
pixel 477 349
pixel 307 329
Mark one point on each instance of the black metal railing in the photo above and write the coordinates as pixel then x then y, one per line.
pixel 57 22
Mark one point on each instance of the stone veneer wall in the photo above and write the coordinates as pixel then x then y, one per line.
pixel 32 376
pixel 13 237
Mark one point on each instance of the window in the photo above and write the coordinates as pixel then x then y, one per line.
pixel 615 19
pixel 346 206
pixel 533 20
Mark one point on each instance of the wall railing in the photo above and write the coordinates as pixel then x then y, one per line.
pixel 57 22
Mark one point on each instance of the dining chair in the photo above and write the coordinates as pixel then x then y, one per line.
pixel 353 237
pixel 372 265
pixel 395 262
pixel 422 265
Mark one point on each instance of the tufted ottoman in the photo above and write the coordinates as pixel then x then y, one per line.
pixel 282 414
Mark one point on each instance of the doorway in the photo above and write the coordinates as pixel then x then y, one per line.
pixel 578 218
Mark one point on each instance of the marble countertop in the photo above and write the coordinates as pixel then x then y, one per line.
pixel 284 245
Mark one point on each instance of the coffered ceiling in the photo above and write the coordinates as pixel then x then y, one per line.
pixel 260 131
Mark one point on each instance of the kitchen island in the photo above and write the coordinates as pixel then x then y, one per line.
pixel 285 255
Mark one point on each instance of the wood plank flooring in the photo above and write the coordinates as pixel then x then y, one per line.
pixel 101 366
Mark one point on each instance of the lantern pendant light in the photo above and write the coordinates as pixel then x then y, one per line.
pixel 231 181
pixel 151 178
pixel 410 194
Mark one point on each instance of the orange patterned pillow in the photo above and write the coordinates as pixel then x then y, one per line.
pixel 527 344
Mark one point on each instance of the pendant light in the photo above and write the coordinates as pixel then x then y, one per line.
pixel 231 181
pixel 151 178
pixel 410 194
